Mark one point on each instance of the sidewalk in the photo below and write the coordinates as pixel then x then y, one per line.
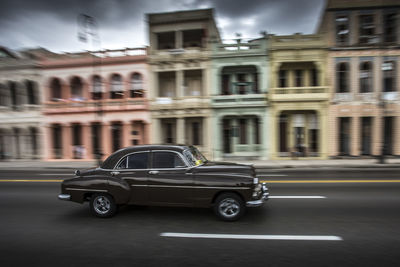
pixel 262 164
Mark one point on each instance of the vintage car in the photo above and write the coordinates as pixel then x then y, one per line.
pixel 166 175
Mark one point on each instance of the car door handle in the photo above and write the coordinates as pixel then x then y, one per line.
pixel 153 172
pixel 114 173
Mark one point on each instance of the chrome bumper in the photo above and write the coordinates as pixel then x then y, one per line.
pixel 259 202
pixel 64 197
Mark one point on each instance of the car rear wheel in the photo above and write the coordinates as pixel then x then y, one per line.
pixel 229 207
pixel 102 205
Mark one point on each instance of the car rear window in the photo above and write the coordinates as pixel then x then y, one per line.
pixel 135 161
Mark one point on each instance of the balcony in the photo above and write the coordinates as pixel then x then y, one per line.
pixel 249 100
pixel 173 103
pixel 315 93
pixel 105 105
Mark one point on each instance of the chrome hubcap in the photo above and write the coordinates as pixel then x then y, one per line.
pixel 101 204
pixel 229 207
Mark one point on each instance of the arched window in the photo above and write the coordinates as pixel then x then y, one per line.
pixel 365 77
pixel 55 88
pixel 76 89
pixel 136 86
pixel 31 93
pixel 97 87
pixel 342 78
pixel 117 90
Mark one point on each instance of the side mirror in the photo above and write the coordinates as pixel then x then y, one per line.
pixel 77 172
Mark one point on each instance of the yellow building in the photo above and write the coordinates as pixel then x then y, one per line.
pixel 298 97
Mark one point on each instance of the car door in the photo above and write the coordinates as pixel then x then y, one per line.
pixel 169 182
pixel 133 169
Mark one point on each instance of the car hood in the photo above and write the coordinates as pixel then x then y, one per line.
pixel 227 167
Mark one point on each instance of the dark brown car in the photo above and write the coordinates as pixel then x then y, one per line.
pixel 166 175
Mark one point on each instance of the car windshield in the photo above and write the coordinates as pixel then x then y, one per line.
pixel 194 156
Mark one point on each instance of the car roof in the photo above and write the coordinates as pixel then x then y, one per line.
pixel 110 162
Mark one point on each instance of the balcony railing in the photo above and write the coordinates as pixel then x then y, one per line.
pixel 95 105
pixel 300 93
pixel 239 100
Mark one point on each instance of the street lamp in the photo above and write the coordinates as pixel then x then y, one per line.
pixel 88 28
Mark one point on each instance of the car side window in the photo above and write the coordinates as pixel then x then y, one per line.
pixel 135 161
pixel 138 161
pixel 167 160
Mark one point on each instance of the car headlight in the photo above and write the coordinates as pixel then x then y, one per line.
pixel 255 180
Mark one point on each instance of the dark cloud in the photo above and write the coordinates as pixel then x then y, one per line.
pixel 53 24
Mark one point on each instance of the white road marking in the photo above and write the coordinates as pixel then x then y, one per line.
pixel 272 175
pixel 55 174
pixel 259 237
pixel 297 197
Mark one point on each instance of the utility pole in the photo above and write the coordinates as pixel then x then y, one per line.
pixel 88 28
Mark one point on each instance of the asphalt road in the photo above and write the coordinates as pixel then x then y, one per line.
pixel 39 230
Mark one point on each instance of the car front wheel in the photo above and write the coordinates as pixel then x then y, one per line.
pixel 102 205
pixel 229 207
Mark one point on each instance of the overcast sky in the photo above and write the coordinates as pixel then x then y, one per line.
pixel 53 24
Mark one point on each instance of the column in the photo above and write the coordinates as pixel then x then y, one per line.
pixel 66 141
pixel 206 136
pixel 180 130
pixel 234 123
pixel 146 133
pixel 265 135
pixel 65 90
pixel 106 139
pixel 178 39
pixel 155 131
pixel 322 133
pixel 126 134
pixel 179 84
pixel 87 141
pixel 215 143
pixel 355 136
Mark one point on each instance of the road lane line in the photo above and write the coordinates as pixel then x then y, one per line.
pixel 30 180
pixel 55 174
pixel 272 175
pixel 297 197
pixel 326 181
pixel 259 237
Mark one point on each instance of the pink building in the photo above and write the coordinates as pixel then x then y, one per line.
pixel 94 103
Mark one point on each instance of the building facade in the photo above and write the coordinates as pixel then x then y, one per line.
pixel 20 98
pixel 94 103
pixel 364 49
pixel 179 62
pixel 298 96
pixel 239 86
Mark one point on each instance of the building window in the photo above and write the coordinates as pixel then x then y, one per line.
pixel 136 86
pixel 299 78
pixel 166 40
pixel 97 87
pixel 282 78
pixel 117 90
pixel 193 38
pixel 14 95
pixel 365 77
pixel 241 83
pixel 225 85
pixel 389 76
pixel 314 77
pixel 367 29
pixel 31 91
pixel 195 133
pixel 342 30
pixel 342 78
pixel 76 89
pixel 256 130
pixel 243 131
pixel 389 28
pixel 55 87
